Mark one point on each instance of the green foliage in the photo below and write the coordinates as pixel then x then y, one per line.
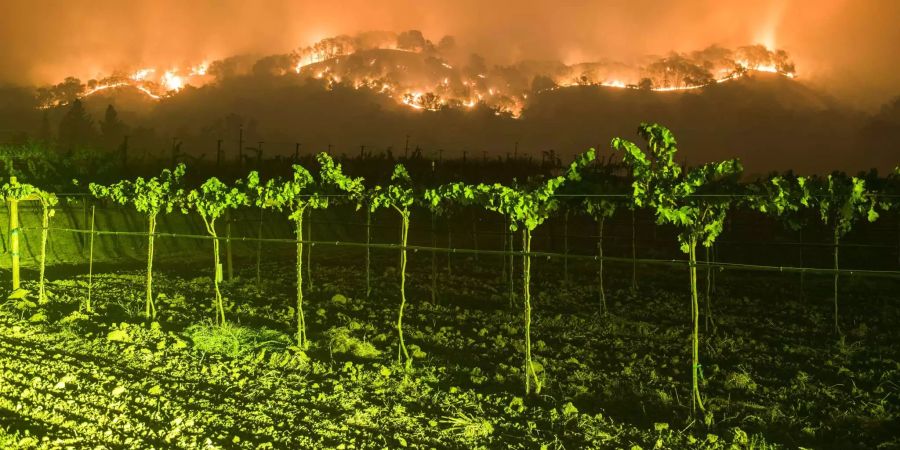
pixel 211 201
pixel 20 191
pixel 599 208
pixel 293 195
pixel 892 187
pixel 213 198
pixel 468 427
pixel 529 208
pixel 397 195
pixel 32 161
pixel 235 341
pixel 675 194
pixel 843 200
pixel 17 191
pixel 148 196
pixel 333 176
pixel 595 187
pixel 341 340
pixel 781 196
pixel 446 199
pixel 526 208
pixel 48 200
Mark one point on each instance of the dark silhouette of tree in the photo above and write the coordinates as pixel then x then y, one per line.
pixel 274 65
pixel 542 83
pixel 44 134
pixel 68 90
pixel 231 67
pixel 477 65
pixel 677 71
pixel 112 129
pixel 411 40
pixel 446 44
pixel 76 127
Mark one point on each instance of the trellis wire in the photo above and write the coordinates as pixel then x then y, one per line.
pixel 416 248
pixel 577 195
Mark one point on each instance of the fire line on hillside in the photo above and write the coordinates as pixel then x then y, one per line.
pixel 416 73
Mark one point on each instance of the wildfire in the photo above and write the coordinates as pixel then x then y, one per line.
pixel 144 80
pixel 200 69
pixel 142 74
pixel 104 87
pixel 172 82
pixel 149 93
pixel 430 83
pixel 413 100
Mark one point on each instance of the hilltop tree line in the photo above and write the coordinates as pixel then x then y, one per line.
pixel 78 129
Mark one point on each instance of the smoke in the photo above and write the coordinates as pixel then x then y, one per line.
pixel 845 46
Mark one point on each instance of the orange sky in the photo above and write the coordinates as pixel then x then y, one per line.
pixel 846 46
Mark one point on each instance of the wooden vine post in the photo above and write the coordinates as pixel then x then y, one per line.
pixel 14 232
pixel 90 287
pixel 228 258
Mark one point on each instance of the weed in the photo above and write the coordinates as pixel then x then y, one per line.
pixel 234 340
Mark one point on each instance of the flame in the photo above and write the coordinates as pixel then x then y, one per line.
pixel 142 74
pixel 439 89
pixel 200 69
pixel 149 94
pixel 104 87
pixel 758 67
pixel 171 81
pixel 675 88
pixel 614 83
pixel 412 100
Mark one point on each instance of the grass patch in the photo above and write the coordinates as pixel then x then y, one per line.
pixel 234 340
pixel 341 341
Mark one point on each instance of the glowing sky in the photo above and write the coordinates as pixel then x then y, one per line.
pixel 846 46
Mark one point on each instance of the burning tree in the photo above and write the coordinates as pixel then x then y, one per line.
pixel 678 72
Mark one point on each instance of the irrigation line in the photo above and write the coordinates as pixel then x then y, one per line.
pixel 489 232
pixel 624 196
pixel 416 248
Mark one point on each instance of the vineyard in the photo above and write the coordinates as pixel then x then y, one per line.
pixel 625 300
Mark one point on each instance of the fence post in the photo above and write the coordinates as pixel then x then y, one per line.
pixel 566 248
pixel 14 237
pixel 228 260
pixel 90 264
pixel 309 246
pixel 259 235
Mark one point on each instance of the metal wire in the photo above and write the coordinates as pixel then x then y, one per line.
pixel 416 248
